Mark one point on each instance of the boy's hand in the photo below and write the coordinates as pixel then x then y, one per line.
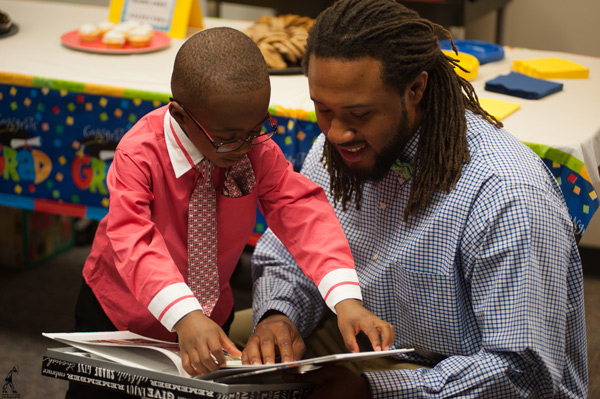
pixel 200 339
pixel 353 318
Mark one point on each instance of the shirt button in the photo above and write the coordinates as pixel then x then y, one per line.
pixel 382 205
pixel 375 257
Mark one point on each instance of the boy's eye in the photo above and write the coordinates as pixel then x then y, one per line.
pixel 322 111
pixel 359 114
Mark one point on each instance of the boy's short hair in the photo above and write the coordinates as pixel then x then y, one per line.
pixel 217 60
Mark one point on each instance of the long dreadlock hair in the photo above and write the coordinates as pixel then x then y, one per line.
pixel 406 45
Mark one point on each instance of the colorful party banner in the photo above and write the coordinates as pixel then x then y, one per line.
pixel 57 140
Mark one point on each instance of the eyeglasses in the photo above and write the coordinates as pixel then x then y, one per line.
pixel 234 145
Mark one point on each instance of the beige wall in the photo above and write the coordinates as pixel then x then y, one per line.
pixel 571 26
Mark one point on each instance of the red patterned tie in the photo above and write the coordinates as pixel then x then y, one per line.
pixel 203 272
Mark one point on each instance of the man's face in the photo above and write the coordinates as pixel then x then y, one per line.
pixel 367 122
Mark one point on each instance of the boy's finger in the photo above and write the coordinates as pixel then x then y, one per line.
pixel 207 361
pixel 387 335
pixel 187 365
pixel 230 347
pixel 217 353
pixel 373 334
pixel 349 337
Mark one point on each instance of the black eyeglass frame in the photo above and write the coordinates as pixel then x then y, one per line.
pixel 252 140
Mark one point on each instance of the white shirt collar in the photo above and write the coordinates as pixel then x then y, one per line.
pixel 179 154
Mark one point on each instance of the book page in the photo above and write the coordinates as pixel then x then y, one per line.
pixel 127 348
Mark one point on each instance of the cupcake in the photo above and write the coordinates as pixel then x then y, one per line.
pixel 149 27
pixel 5 22
pixel 105 26
pixel 140 36
pixel 113 39
pixel 126 26
pixel 89 32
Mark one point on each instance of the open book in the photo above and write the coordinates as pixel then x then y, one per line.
pixel 130 349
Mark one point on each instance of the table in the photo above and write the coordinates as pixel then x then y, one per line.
pixel 79 104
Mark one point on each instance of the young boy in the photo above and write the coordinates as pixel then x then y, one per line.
pixel 137 276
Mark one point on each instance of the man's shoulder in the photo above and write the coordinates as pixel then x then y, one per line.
pixel 497 155
pixel 496 146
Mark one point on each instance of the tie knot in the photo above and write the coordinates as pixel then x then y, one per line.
pixel 206 168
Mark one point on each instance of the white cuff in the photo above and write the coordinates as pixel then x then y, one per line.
pixel 339 285
pixel 172 303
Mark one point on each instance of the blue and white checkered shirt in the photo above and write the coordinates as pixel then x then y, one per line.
pixel 485 283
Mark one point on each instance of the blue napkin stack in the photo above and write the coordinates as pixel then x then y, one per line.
pixel 519 85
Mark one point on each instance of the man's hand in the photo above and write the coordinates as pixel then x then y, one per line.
pixel 200 339
pixel 333 382
pixel 275 332
pixel 353 318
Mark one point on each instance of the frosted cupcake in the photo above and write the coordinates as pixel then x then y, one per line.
pixel 89 32
pixel 105 26
pixel 140 36
pixel 113 39
pixel 149 27
pixel 126 26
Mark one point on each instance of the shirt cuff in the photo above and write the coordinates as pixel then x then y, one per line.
pixel 172 303
pixel 339 285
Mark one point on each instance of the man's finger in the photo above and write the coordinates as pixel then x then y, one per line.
pixel 284 344
pixel 249 351
pixel 267 348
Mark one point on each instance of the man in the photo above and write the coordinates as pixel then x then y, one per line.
pixel 460 235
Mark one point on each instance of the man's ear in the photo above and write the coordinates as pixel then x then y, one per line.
pixel 416 88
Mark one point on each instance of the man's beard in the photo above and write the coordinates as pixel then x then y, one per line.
pixel 383 160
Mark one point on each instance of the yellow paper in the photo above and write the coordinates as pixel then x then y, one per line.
pixel 551 68
pixel 186 13
pixel 467 61
pixel 498 108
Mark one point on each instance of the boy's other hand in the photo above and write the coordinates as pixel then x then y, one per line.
pixel 353 318
pixel 201 342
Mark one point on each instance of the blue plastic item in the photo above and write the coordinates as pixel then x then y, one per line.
pixel 484 51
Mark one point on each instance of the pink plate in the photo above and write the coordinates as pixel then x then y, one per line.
pixel 71 39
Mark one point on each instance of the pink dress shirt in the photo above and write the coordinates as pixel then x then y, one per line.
pixel 137 267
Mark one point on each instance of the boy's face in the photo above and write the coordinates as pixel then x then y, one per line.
pixel 226 118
